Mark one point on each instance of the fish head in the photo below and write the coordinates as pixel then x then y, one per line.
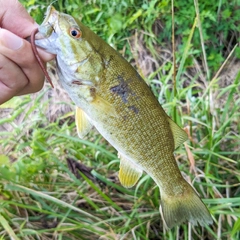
pixel 59 33
pixel 62 35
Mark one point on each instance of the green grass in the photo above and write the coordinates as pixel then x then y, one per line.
pixel 40 198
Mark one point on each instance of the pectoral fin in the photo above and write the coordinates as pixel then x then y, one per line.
pixel 129 173
pixel 82 123
pixel 104 106
pixel 179 135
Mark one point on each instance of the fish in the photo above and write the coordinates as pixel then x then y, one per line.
pixel 110 95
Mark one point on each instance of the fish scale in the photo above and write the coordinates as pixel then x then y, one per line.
pixel 111 96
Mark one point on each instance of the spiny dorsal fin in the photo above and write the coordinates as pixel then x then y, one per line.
pixel 129 173
pixel 179 135
pixel 82 123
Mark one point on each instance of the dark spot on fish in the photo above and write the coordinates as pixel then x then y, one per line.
pixel 134 109
pixel 107 61
pixel 122 89
pixel 77 82
pixel 92 90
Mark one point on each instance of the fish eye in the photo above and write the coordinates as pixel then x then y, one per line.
pixel 75 32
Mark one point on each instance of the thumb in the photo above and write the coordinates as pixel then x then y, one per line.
pixel 10 40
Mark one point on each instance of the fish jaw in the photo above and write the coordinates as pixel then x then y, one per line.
pixel 47 36
pixel 46 28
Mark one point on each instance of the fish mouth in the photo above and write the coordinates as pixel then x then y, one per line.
pixel 47 35
pixel 47 27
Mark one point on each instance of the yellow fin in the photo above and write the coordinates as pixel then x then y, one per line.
pixel 82 123
pixel 129 173
pixel 104 106
pixel 179 135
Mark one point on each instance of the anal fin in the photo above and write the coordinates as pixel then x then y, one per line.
pixel 129 173
pixel 82 123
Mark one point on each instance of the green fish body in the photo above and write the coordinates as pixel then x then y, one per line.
pixel 111 96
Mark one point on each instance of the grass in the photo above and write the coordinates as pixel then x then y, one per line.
pixel 40 198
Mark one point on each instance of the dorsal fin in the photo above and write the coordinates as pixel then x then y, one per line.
pixel 179 135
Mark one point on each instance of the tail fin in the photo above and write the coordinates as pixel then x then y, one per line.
pixel 186 207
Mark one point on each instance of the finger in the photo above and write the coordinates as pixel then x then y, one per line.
pixel 20 52
pixel 15 18
pixel 12 79
pixel 45 56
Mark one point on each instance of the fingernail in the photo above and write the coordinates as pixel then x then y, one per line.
pixel 10 40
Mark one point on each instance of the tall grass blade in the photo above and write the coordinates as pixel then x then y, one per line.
pixel 7 227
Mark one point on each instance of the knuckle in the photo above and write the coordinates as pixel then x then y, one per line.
pixel 11 75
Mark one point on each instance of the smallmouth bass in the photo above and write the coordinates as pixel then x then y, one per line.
pixel 111 96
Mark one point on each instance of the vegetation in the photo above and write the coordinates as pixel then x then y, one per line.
pixel 42 193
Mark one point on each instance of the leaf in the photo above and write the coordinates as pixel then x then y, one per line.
pixel 6 173
pixel 12 103
pixel 135 16
pixel 4 160
pixel 116 22
pixel 236 228
pixel 8 228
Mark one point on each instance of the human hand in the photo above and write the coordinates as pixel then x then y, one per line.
pixel 20 73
